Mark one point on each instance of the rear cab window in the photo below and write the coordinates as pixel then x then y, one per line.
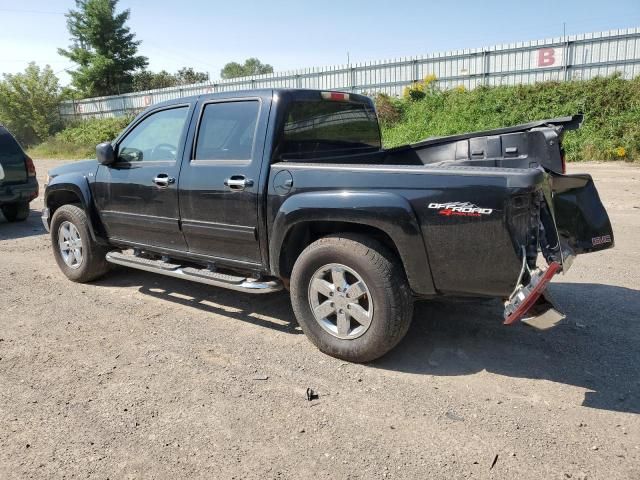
pixel 323 128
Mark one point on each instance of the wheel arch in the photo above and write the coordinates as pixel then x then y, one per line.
pixel 73 189
pixel 387 217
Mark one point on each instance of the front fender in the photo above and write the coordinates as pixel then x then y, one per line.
pixel 384 211
pixel 77 184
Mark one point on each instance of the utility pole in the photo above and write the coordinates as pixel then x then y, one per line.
pixel 565 53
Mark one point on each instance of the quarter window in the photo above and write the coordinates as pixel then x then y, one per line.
pixel 156 138
pixel 227 131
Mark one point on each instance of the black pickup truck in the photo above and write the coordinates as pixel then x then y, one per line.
pixel 262 190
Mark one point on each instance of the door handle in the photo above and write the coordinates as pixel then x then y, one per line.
pixel 163 180
pixel 238 182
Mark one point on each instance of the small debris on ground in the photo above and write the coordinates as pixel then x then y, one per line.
pixel 311 395
pixel 454 416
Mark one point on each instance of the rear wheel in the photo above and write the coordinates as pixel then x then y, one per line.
pixel 16 212
pixel 351 297
pixel 79 257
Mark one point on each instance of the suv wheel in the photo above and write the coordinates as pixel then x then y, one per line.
pixel 79 257
pixel 351 297
pixel 16 212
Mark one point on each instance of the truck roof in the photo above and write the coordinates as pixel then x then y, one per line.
pixel 292 93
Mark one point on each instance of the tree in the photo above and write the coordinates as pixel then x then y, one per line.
pixel 146 80
pixel 29 103
pixel 252 66
pixel 103 47
pixel 188 76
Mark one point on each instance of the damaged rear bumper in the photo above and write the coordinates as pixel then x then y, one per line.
pixel 528 299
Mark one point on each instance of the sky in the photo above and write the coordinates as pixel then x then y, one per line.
pixel 206 34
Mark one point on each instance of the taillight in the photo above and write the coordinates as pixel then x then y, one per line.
pixel 564 161
pixel 335 96
pixel 31 168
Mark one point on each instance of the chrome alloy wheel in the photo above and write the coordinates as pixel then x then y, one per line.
pixel 340 301
pixel 70 244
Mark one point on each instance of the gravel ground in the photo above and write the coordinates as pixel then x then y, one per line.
pixel 142 376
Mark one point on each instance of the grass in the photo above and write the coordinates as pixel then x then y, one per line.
pixel 611 107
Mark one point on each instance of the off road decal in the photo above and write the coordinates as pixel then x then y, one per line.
pixel 460 209
pixel 595 241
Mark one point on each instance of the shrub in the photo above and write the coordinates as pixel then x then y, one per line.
pixel 388 109
pixel 415 91
pixel 79 139
pixel 92 132
pixel 429 81
pixel 418 90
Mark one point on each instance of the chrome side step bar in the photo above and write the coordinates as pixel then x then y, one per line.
pixel 205 276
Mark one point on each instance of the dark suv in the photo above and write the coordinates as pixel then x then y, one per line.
pixel 18 183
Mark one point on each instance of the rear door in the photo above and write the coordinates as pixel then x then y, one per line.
pixel 137 196
pixel 12 160
pixel 220 180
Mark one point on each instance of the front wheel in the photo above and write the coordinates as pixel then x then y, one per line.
pixel 351 297
pixel 79 257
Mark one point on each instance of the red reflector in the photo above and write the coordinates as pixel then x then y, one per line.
pixel 335 96
pixel 533 295
pixel 31 168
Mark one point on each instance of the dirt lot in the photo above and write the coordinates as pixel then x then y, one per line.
pixel 141 376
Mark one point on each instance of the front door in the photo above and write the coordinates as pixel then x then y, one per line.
pixel 220 184
pixel 137 195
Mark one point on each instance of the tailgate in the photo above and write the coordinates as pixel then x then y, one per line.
pixel 12 159
pixel 581 218
pixel 581 221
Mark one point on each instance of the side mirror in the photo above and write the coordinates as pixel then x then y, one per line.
pixel 105 153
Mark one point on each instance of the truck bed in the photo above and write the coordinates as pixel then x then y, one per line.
pixel 522 146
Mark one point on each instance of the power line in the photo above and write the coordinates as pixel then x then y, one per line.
pixel 31 60
pixel 43 12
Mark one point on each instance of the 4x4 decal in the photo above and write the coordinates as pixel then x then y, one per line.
pixel 460 209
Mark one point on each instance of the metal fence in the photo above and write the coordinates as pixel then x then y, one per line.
pixel 576 57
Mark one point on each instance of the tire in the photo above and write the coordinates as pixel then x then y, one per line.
pixel 388 300
pixel 16 212
pixel 92 263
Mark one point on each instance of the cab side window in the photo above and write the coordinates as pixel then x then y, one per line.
pixel 227 131
pixel 156 138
